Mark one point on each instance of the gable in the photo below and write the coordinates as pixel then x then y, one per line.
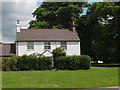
pixel 47 53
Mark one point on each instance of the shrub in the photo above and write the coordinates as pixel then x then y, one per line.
pixel 85 62
pixel 73 62
pixel 9 63
pixel 44 63
pixel 26 62
pixel 6 63
pixel 58 52
pixel 34 63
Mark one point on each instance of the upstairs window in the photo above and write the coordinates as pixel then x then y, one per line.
pixel 64 45
pixel 30 45
pixel 47 46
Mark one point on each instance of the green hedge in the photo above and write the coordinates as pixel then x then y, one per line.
pixel 34 63
pixel 43 63
pixel 73 62
pixel 9 63
pixel 25 63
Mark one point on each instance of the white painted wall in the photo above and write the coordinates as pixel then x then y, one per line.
pixel 73 48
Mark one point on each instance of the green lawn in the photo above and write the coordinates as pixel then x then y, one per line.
pixel 95 77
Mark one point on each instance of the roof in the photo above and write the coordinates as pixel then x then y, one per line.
pixel 8 49
pixel 47 35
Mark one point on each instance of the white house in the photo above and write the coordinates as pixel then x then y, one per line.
pixel 43 41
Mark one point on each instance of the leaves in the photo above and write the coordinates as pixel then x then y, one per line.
pixel 100 27
pixel 56 15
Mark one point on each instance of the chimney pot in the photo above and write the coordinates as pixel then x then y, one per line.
pixel 18 25
pixel 73 26
pixel 18 21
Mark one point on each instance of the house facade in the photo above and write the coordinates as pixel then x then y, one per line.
pixel 44 41
pixel 45 48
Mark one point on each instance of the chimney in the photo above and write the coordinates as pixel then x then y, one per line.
pixel 18 26
pixel 73 27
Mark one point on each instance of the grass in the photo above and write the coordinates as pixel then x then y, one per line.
pixel 93 78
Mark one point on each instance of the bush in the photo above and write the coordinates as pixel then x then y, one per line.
pixel 44 63
pixel 58 52
pixel 34 63
pixel 26 63
pixel 73 62
pixel 85 62
pixel 9 63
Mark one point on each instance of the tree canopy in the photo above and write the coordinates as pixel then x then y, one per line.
pixel 56 14
pixel 98 29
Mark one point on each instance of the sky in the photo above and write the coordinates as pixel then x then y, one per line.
pixel 11 10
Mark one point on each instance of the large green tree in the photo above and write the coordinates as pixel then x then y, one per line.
pixel 56 14
pixel 99 31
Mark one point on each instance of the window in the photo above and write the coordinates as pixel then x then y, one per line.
pixel 47 45
pixel 30 45
pixel 64 45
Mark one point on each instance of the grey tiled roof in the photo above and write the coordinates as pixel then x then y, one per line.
pixel 47 35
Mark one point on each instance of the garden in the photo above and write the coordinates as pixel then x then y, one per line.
pixel 66 72
pixel 98 26
pixel 34 62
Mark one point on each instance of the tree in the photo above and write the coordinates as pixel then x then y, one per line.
pixel 99 31
pixel 56 14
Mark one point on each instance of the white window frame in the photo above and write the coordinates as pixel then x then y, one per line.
pixel 47 46
pixel 64 45
pixel 30 45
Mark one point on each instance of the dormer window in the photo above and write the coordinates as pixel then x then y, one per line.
pixel 47 46
pixel 30 46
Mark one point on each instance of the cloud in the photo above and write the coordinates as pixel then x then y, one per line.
pixel 11 11
pixel 0 21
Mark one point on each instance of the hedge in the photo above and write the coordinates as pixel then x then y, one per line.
pixel 34 63
pixel 25 63
pixel 9 63
pixel 73 62
pixel 44 63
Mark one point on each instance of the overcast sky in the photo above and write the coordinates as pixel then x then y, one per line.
pixel 11 11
